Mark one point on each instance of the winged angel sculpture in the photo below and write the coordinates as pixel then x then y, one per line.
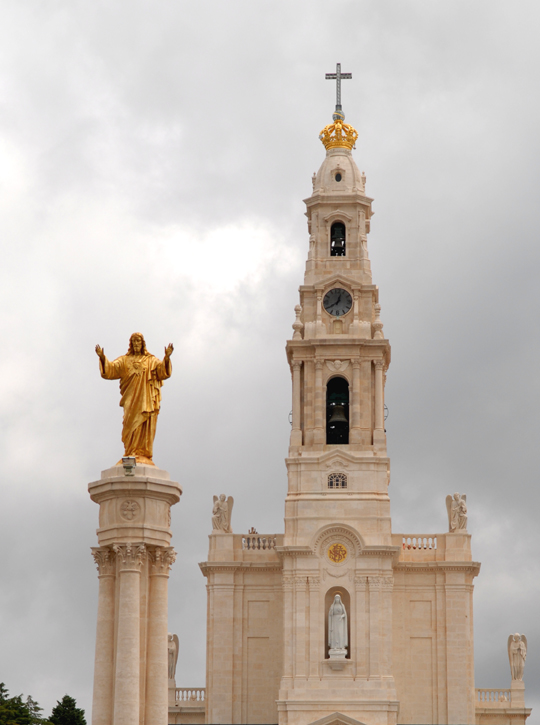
pixel 173 647
pixel 221 513
pixel 517 654
pixel 456 506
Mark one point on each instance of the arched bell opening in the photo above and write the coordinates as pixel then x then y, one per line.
pixel 346 600
pixel 337 240
pixel 337 411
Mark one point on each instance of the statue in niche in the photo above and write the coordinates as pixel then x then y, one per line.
pixel 221 513
pixel 517 654
pixel 456 506
pixel 173 647
pixel 337 629
pixel 141 376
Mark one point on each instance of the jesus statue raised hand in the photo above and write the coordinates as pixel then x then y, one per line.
pixel 141 376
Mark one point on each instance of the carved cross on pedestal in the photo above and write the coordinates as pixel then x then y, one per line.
pixel 338 76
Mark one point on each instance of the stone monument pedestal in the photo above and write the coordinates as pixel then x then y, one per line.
pixel 133 559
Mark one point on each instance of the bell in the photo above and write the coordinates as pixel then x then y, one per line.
pixel 338 244
pixel 338 415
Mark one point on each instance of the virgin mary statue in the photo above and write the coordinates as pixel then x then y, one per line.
pixel 337 628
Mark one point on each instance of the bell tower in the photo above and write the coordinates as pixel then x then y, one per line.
pixel 338 541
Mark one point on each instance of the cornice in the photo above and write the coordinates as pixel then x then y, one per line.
pixel 293 550
pixel 210 567
pixel 412 567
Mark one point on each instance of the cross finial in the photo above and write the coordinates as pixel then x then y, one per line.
pixel 338 76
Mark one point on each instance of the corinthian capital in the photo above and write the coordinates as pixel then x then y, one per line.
pixel 161 559
pixel 104 557
pixel 130 556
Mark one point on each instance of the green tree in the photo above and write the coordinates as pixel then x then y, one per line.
pixel 66 712
pixel 13 711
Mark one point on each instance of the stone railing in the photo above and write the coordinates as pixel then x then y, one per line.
pixel 190 695
pixel 421 541
pixel 258 542
pixel 493 697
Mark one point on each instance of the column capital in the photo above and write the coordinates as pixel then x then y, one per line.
pixel 356 363
pixel 130 556
pixel 318 364
pixel 314 583
pixel 105 559
pixel 296 364
pixel 379 364
pixel 287 583
pixel 161 559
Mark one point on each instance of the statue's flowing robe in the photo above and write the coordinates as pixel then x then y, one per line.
pixel 337 626
pixel 141 377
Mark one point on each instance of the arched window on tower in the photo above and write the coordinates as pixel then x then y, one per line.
pixel 337 411
pixel 337 240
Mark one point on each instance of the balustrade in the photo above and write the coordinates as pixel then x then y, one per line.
pixel 190 695
pixel 419 542
pixel 493 697
pixel 258 542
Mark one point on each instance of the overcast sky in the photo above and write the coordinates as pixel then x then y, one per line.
pixel 154 155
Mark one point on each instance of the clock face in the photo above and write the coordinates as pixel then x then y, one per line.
pixel 337 302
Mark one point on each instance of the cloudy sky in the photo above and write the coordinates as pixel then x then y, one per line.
pixel 154 155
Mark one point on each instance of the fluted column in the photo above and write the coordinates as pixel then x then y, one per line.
pixel 296 433
pixel 379 437
pixel 102 704
pixel 157 709
pixel 356 434
pixel 320 432
pixel 130 558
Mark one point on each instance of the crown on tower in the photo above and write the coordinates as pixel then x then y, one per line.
pixel 338 134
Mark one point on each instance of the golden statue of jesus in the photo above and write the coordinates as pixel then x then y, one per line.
pixel 141 377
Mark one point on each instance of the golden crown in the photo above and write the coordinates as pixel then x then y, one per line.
pixel 338 135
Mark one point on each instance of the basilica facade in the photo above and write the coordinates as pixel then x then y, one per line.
pixel 338 619
pixel 406 644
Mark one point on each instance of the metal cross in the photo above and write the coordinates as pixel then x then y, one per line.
pixel 338 76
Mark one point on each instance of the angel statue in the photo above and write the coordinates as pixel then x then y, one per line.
pixel 221 514
pixel 337 628
pixel 517 654
pixel 456 506
pixel 173 646
pixel 141 376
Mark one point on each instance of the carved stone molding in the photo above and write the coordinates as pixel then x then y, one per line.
pixel 300 582
pixel 338 534
pixel 314 582
pixel 129 510
pixel 336 463
pixel 130 556
pixel 161 560
pixel 337 366
pixel 288 582
pixel 105 560
pixel 360 583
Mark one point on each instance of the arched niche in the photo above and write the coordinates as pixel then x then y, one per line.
pixel 328 599
pixel 338 241
pixel 337 411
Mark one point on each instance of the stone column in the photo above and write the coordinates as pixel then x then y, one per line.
pixel 157 711
pixel 379 437
pixel 320 427
pixel 387 587
pixel 288 628
pixel 296 433
pixel 102 705
pixel 356 434
pixel 374 628
pixel 130 559
pixel 300 665
pixel 316 626
pixel 359 649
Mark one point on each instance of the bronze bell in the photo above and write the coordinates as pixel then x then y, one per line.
pixel 338 415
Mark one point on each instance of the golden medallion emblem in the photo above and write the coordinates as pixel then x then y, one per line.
pixel 337 553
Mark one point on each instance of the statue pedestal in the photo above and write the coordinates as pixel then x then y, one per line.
pixel 517 689
pixel 133 559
